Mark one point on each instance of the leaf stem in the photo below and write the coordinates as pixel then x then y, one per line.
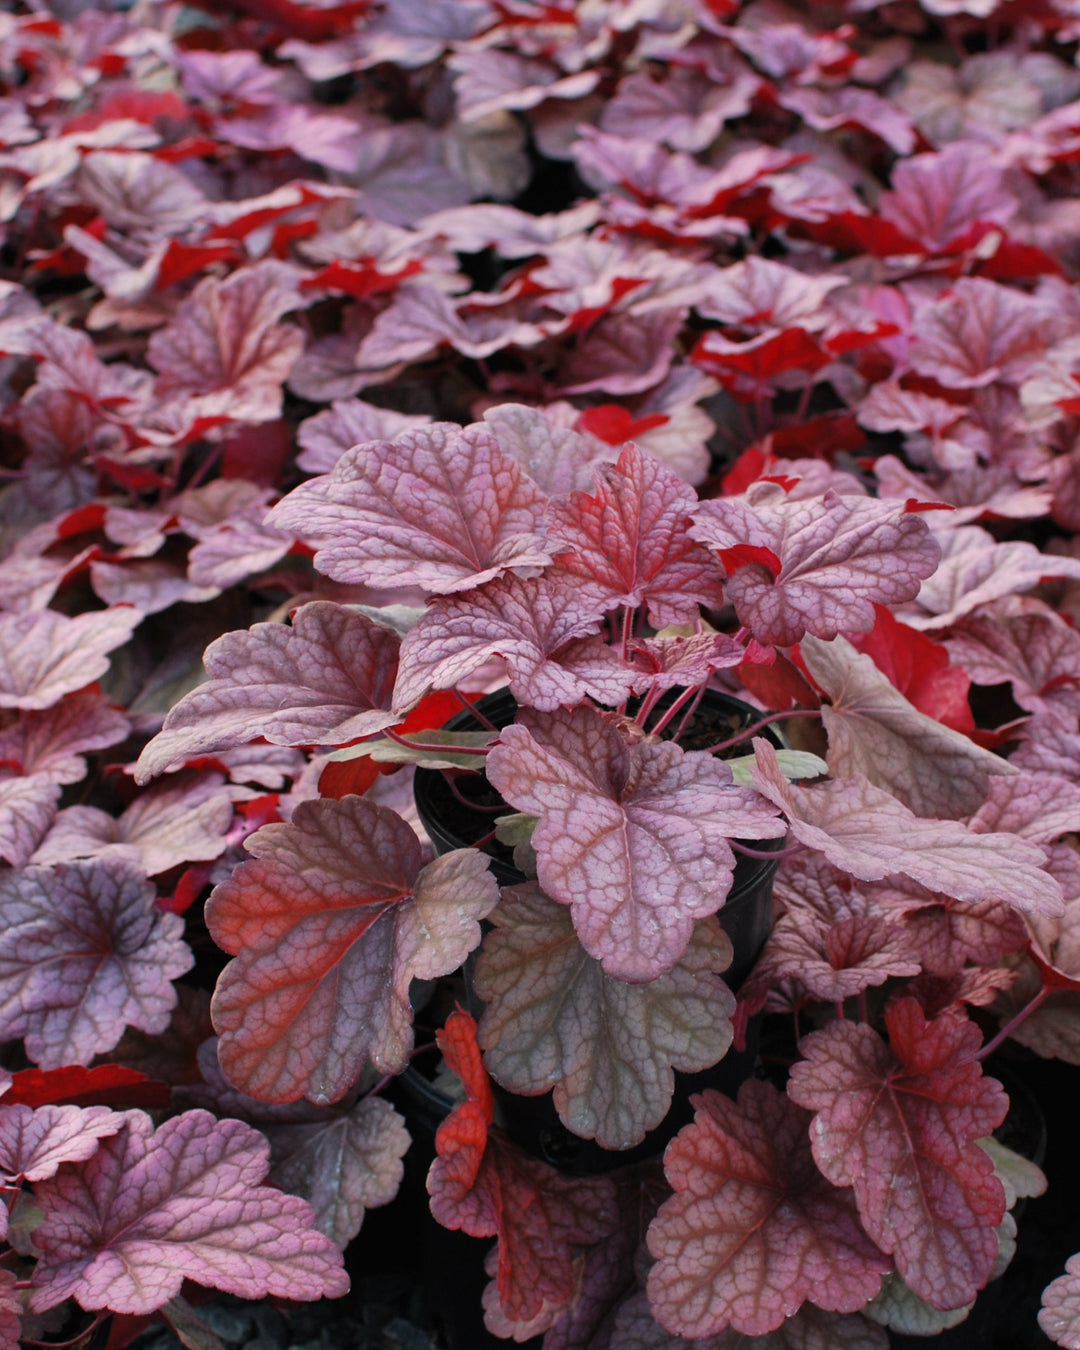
pixel 757 726
pixel 680 702
pixel 392 735
pixel 788 851
pixel 1010 1026
pixel 59 1345
pixel 484 720
pixel 473 806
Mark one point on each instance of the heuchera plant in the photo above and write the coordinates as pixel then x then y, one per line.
pixel 396 352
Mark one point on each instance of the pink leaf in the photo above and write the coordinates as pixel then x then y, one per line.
pixel 557 458
pixel 438 507
pixel 325 437
pixel 686 109
pixel 685 661
pixel 47 655
pixel 33 1143
pixel 1060 1313
pixel 27 809
pixel 836 555
pixel 937 199
pixel 874 731
pixel 153 1206
pixel 867 833
pixel 627 541
pixel 899 1123
pixel 11 1310
pixel 757 293
pixel 483 1184
pixel 548 646
pixel 810 1329
pixel 1036 807
pixel 635 838
pixel 753 1229
pixel 623 353
pixel 554 1019
pixel 84 953
pixel 325 680
pixel 329 923
pixel 225 354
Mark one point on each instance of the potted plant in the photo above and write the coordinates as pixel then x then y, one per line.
pixel 855 1186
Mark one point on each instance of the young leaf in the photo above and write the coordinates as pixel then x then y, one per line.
pixel 324 680
pixel 329 923
pixel 867 833
pixel 438 507
pixel 815 564
pixel 482 1183
pixel 900 1123
pixel 554 1019
pixel 635 838
pixel 753 1229
pixel 549 646
pixel 122 1230
pixel 627 541
pixel 85 952
pixel 34 1142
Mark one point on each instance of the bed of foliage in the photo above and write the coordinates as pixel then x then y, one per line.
pixel 818 262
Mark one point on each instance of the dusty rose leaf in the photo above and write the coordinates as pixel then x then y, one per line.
pixel 635 838
pixel 34 1142
pixel 818 564
pixel 153 1206
pixel 11 1311
pixel 324 680
pixel 867 833
pixel 184 820
pixel 627 541
pixel 753 1229
pixel 686 108
pixel 557 458
pixel 758 293
pixel 875 731
pixel 554 1019
pixel 623 353
pixel 899 1123
pixel 672 662
pixel 329 922
pixel 1060 1313
pixel 439 507
pixel 1036 807
pixel 46 655
pixel 936 199
pixel 85 952
pixel 324 438
pixel 947 934
pixel 483 1184
pixel 226 354
pixel 548 646
pixel 27 809
pixel 810 1329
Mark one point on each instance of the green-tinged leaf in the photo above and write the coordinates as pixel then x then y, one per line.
pixel 386 751
pixel 794 764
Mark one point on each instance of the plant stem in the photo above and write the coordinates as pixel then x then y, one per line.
pixel 474 710
pixel 473 806
pixel 1010 1026
pixel 757 726
pixel 680 702
pixel 392 735
pixel 787 852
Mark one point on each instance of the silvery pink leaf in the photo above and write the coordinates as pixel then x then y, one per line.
pixel 753 1230
pixel 756 293
pixel 512 233
pixel 27 809
pixel 226 354
pixel 635 838
pixel 1025 642
pixel 554 1019
pixel 488 80
pixel 217 78
pixel 557 458
pixel 329 922
pixel 552 658
pixel 623 353
pixel 686 108
pixel 46 655
pixel 438 507
pixel 814 565
pixel 890 407
pixel 149 585
pixel 937 199
pixel 635 1328
pixel 976 569
pixel 324 438
pixel 325 680
pixel 1048 747
pixel 85 952
pixel 35 1141
pixel 875 731
pixel 57 427
pixel 1036 807
pixel 849 106
pixel 980 332
pixel 947 934
pixel 182 820
pixel 972 492
pixel 1059 1315
pixel 137 192
pixel 867 833
pixel 11 1311
pixel 187 1199
pixel 320 137
pixel 235 551
pixel 627 541
pixel 900 1123
pixel 684 661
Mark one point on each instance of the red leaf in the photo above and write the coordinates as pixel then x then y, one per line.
pixel 360 279
pixel 483 1184
pixel 615 425
pixel 103 1085
pixel 900 1124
